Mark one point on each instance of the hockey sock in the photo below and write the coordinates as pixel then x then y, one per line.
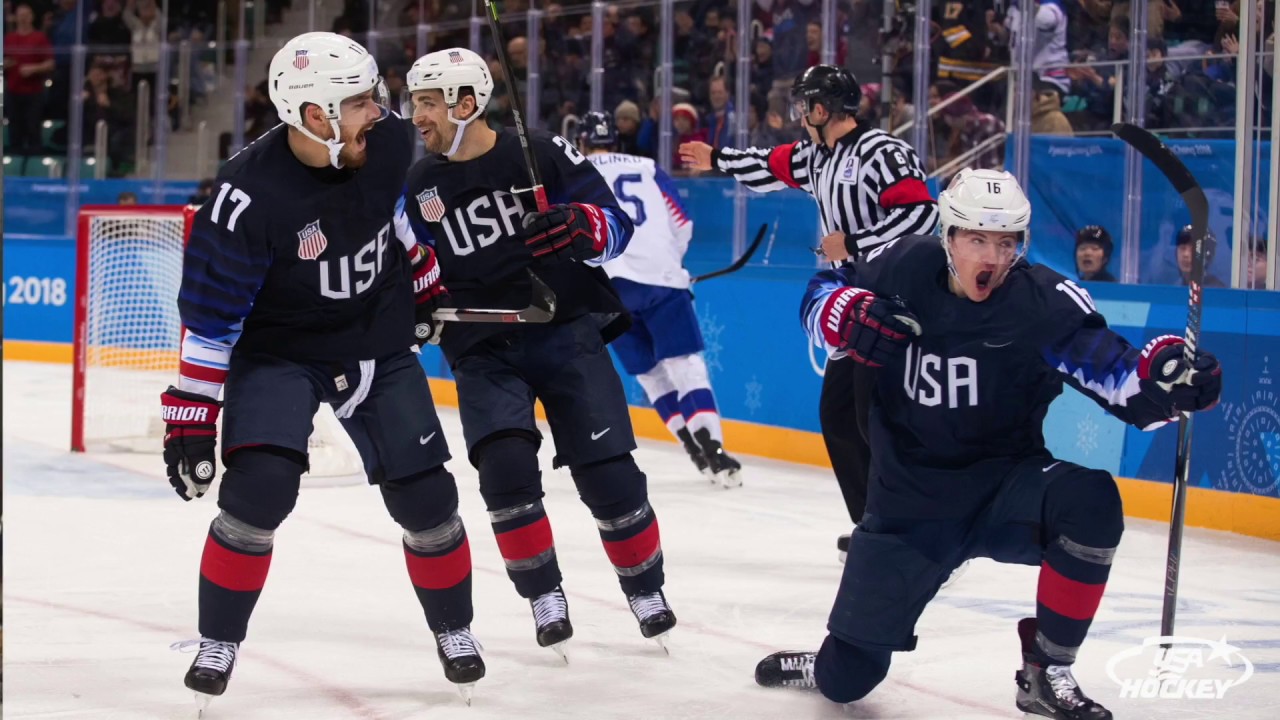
pixel 233 570
pixel 616 493
pixel 511 485
pixel 662 394
pixel 1085 519
pixel 439 562
pixel 697 402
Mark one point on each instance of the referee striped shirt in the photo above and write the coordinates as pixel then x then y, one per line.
pixel 870 186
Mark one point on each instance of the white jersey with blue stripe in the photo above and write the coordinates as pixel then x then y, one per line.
pixel 662 228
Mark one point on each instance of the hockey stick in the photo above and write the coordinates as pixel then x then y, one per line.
pixel 741 261
pixel 542 308
pixel 1185 183
pixel 500 49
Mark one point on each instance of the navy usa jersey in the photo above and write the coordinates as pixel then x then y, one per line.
pixel 971 393
pixel 298 262
pixel 472 213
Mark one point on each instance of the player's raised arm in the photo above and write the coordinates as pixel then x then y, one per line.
pixel 1146 388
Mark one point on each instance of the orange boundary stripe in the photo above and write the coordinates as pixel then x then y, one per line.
pixel 1215 509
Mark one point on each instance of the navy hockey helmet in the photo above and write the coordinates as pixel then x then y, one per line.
pixel 1210 243
pixel 598 130
pixel 834 87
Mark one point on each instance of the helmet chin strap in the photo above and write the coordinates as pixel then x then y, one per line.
pixel 333 145
pixel 460 129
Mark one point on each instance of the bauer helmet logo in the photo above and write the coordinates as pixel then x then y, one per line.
pixel 311 242
pixel 300 59
pixel 431 205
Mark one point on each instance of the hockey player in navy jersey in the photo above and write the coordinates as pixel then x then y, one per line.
pixel 466 199
pixel 298 287
pixel 972 344
pixel 663 348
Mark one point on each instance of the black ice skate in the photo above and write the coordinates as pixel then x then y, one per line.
pixel 1050 690
pixel 695 452
pixel 551 619
pixel 723 467
pixel 787 669
pixel 460 657
pixel 211 670
pixel 842 547
pixel 654 615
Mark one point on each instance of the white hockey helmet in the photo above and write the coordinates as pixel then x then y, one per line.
pixel 322 69
pixel 988 200
pixel 450 71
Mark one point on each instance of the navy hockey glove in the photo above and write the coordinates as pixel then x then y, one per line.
pixel 190 434
pixel 577 231
pixel 1190 387
pixel 428 294
pixel 872 330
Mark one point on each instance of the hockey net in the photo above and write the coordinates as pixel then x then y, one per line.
pixel 128 338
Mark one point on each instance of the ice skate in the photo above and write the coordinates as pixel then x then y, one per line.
pixel 654 615
pixel 551 619
pixel 1050 690
pixel 723 467
pixel 842 548
pixel 459 654
pixel 787 669
pixel 695 453
pixel 210 671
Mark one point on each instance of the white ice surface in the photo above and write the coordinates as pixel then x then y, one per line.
pixel 101 560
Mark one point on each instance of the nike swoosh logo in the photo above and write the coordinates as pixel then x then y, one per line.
pixel 427 439
pixel 997 345
pixel 597 436
pixel 1052 466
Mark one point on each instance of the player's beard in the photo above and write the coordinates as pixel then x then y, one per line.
pixel 354 151
pixel 435 140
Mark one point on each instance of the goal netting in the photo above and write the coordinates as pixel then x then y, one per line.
pixel 128 338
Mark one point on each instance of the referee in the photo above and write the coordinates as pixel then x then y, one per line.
pixel 870 190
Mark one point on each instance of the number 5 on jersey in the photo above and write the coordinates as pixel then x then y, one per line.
pixel 239 200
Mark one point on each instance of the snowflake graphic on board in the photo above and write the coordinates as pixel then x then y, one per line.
pixel 710 339
pixel 754 390
pixel 1087 435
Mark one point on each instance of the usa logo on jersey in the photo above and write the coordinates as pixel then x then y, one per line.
pixel 311 242
pixel 431 205
pixel 300 59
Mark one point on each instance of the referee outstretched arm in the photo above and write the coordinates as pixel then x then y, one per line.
pixel 869 185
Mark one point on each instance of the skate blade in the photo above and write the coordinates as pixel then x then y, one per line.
pixel 560 650
pixel 729 479
pixel 661 639
pixel 466 690
pixel 844 556
pixel 202 703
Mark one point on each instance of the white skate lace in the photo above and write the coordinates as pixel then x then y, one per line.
pixel 458 643
pixel 213 654
pixel 550 607
pixel 802 664
pixel 646 606
pixel 1064 684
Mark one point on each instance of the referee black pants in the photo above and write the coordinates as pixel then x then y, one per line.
pixel 842 411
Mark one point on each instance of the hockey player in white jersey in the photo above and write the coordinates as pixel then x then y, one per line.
pixel 663 348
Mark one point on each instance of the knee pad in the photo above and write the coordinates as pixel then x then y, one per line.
pixel 611 488
pixel 260 486
pixel 847 672
pixel 509 474
pixel 422 502
pixel 1085 507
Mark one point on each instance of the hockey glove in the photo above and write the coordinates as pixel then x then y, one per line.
pixel 872 330
pixel 428 294
pixel 190 435
pixel 577 231
pixel 1189 387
